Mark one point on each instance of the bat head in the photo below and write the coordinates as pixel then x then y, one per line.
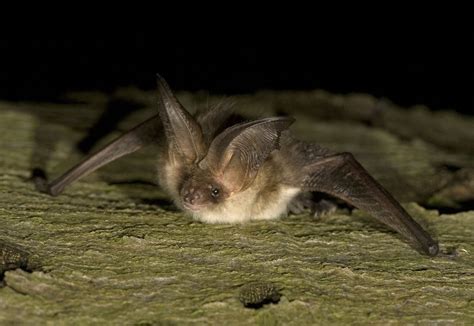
pixel 201 191
pixel 231 163
pixel 205 175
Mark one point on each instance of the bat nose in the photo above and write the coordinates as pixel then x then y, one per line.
pixel 192 197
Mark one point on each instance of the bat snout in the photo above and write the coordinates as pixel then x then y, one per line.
pixel 193 198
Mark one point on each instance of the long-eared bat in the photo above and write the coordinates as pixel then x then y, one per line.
pixel 246 171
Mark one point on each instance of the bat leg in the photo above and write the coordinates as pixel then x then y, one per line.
pixel 306 202
pixel 300 204
pixel 40 179
pixel 323 207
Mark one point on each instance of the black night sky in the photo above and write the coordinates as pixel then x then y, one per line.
pixel 412 68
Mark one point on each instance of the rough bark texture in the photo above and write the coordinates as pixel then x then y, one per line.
pixel 112 248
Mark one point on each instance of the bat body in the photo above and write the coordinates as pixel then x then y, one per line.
pixel 220 172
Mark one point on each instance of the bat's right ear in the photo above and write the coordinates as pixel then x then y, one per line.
pixel 236 154
pixel 183 133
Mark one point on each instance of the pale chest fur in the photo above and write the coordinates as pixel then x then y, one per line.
pixel 266 199
pixel 250 205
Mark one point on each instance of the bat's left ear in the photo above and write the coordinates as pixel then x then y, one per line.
pixel 183 133
pixel 237 153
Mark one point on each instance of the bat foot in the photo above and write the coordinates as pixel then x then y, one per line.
pixel 305 202
pixel 323 207
pixel 433 249
pixel 40 180
pixel 301 203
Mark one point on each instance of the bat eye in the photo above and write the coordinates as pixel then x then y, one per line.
pixel 215 192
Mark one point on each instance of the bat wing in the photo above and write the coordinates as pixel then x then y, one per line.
pixel 142 135
pixel 183 134
pixel 342 176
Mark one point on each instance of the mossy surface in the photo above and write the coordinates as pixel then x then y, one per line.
pixel 112 249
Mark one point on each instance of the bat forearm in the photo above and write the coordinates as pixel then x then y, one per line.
pixel 133 140
pixel 342 176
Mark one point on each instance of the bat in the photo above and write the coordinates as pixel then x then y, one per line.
pixel 223 172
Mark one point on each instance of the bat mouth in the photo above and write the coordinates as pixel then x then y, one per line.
pixel 193 208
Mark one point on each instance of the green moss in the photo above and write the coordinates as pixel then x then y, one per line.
pixel 116 253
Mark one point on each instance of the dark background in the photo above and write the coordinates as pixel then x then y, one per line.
pixel 425 67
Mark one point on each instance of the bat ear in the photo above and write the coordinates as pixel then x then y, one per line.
pixel 183 133
pixel 237 153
